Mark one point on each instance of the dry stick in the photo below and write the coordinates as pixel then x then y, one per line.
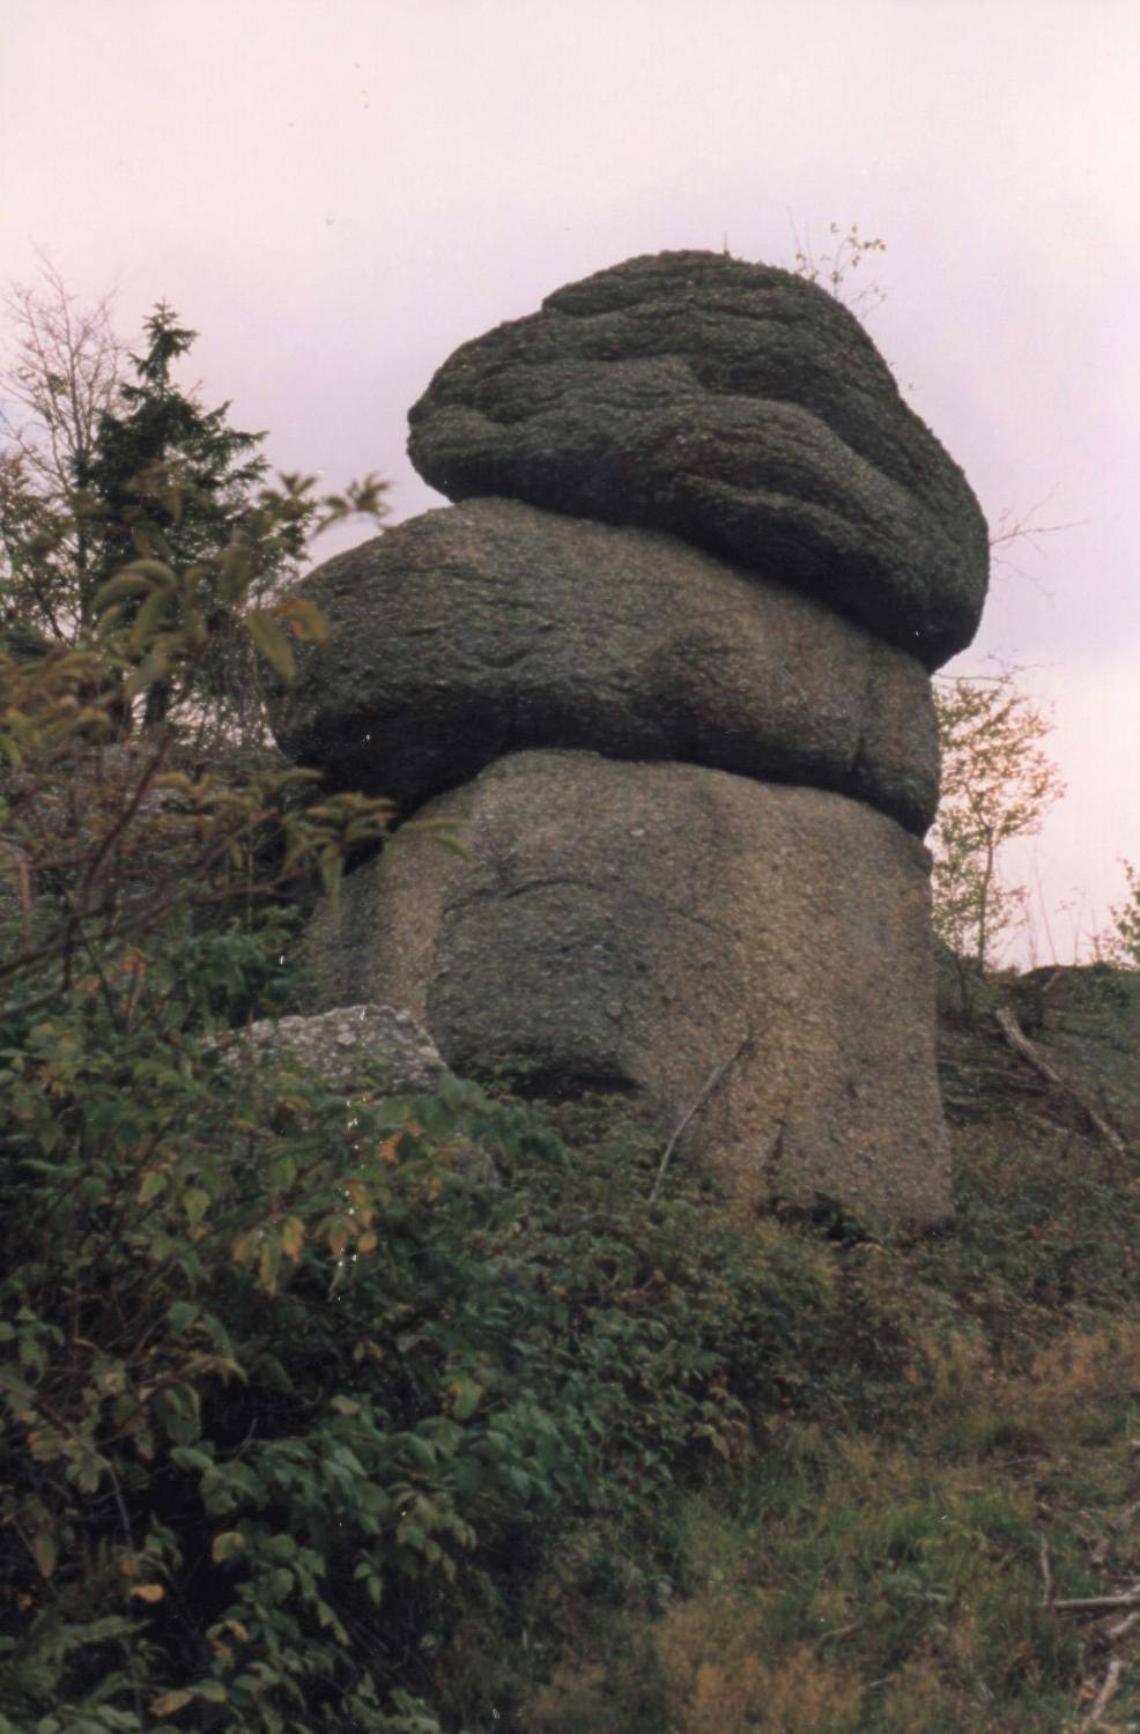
pixel 1096 1604
pixel 1104 1696
pixel 837 1632
pixel 713 1082
pixel 1122 1626
pixel 1027 1051
pixel 1046 1574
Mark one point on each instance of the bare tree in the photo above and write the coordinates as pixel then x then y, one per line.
pixel 60 376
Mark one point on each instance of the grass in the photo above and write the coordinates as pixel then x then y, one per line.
pixel 879 1555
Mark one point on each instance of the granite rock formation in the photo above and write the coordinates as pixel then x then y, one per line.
pixel 491 627
pixel 629 926
pixel 672 691
pixel 736 406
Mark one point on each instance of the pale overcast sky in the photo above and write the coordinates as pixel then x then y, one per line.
pixel 335 193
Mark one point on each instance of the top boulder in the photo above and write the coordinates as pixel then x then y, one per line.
pixel 736 406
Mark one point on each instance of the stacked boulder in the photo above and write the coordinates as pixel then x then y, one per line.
pixel 665 671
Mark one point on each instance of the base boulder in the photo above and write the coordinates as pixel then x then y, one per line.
pixel 634 926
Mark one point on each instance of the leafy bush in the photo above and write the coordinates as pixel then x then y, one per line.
pixel 285 1374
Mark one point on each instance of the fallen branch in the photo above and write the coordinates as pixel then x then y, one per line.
pixel 1104 1696
pixel 1095 1604
pixel 711 1084
pixel 1026 1050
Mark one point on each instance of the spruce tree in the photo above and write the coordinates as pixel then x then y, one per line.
pixel 168 479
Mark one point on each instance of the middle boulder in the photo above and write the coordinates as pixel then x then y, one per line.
pixel 492 627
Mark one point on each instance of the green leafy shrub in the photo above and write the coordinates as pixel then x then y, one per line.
pixel 283 1376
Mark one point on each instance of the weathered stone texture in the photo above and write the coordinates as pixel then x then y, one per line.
pixel 664 671
pixel 484 629
pixel 735 406
pixel 628 925
pixel 338 1044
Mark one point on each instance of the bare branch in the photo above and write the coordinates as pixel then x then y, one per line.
pixel 1095 1604
pixel 1104 1696
pixel 707 1090
pixel 1046 1573
pixel 1026 1050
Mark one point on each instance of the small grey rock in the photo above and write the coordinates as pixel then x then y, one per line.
pixel 338 1043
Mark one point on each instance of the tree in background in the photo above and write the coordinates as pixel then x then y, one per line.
pixel 173 482
pixel 1122 946
pixel 100 471
pixel 61 378
pixel 208 469
pixel 997 785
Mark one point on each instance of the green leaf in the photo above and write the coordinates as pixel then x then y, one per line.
pixel 466 1397
pixel 279 1584
pixel 235 569
pixel 212 1691
pixel 154 666
pixel 421 1451
pixel 269 638
pixel 153 613
pixel 229 1544
pixel 46 1551
pixel 191 1457
pixel 169 1703
pixel 152 1184
pixel 157 571
pixel 177 1411
pixel 195 1203
pixel 124 584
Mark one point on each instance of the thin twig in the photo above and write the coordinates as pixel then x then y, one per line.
pixel 128 1652
pixel 712 1083
pixel 1028 531
pixel 1122 1626
pixel 1095 1604
pixel 128 812
pixel 837 1632
pixel 1046 1574
pixel 1104 1696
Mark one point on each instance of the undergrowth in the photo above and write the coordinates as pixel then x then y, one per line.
pixel 882 1559
pixel 371 1413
